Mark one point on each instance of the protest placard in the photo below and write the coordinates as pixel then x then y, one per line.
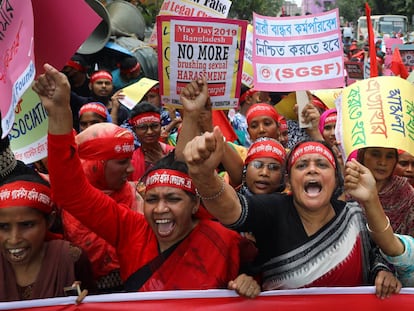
pixel 376 112
pixel 17 68
pixel 407 55
pixel 28 134
pixel 354 69
pixel 297 53
pixel 196 8
pixel 390 44
pixel 135 92
pixel 247 74
pixel 193 48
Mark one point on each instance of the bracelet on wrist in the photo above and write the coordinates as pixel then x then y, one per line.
pixel 383 230
pixel 214 196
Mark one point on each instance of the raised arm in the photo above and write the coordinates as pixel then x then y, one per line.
pixel 203 154
pixel 197 119
pixel 53 89
pixel 360 184
pixel 194 98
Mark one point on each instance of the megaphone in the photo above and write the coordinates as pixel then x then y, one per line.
pixel 126 19
pixel 100 36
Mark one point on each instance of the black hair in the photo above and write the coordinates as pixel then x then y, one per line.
pixel 22 172
pixel 144 107
pixel 128 62
pixel 338 173
pixel 102 69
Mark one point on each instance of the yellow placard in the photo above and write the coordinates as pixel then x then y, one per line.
pixel 247 74
pixel 378 112
pixel 328 96
pixel 285 107
pixel 135 92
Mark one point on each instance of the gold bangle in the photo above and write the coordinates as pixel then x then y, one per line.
pixel 214 196
pixel 385 229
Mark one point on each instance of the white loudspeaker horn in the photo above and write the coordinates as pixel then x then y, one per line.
pixel 100 36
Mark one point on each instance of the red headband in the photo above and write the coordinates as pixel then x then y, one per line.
pixel 310 148
pixel 131 70
pixel 26 193
pixel 94 107
pixel 146 117
pixel 100 75
pixel 169 178
pixel 104 148
pixel 282 123
pixel 261 109
pixel 76 66
pixel 331 119
pixel 249 92
pixel 155 89
pixel 268 148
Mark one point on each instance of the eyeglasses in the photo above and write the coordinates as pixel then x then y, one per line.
pixel 270 166
pixel 144 127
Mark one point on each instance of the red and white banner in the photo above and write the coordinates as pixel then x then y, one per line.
pixel 297 53
pixel 311 299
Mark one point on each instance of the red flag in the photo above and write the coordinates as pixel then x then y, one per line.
pixel 221 120
pixel 372 48
pixel 397 66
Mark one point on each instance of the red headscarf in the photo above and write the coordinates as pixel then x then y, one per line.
pixel 99 143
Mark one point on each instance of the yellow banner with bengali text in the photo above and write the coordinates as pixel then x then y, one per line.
pixel 378 112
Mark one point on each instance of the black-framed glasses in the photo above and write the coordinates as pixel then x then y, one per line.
pixel 144 127
pixel 270 166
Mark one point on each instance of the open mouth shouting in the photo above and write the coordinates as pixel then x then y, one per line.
pixel 313 187
pixel 165 227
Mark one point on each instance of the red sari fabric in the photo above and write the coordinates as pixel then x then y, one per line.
pixel 102 255
pixel 208 257
pixel 130 234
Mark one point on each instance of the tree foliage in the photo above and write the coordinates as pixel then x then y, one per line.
pixel 243 9
pixel 352 9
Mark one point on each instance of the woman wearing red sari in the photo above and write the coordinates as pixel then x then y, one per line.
pixel 106 168
pixel 167 248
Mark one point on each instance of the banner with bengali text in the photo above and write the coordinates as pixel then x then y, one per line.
pixel 298 53
pixel 311 299
pixel 17 65
pixel 196 8
pixel 28 135
pixel 192 48
pixel 377 112
pixel 247 74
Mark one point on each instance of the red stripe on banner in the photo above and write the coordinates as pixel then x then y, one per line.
pixel 314 302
